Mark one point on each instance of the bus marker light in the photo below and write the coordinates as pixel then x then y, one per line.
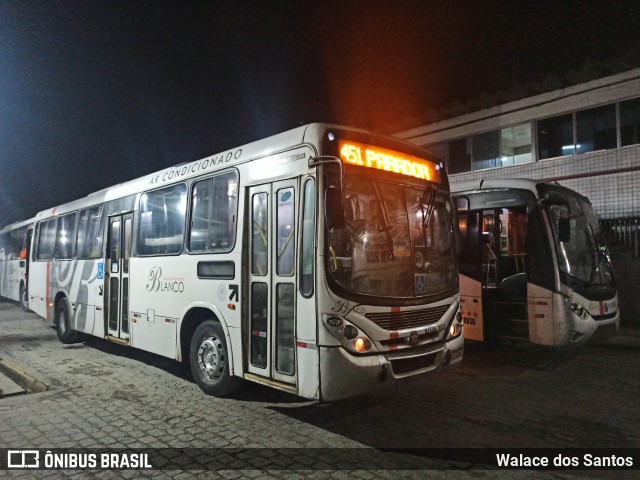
pixel 334 321
pixel 231 306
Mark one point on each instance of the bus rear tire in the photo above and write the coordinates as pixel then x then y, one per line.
pixel 62 322
pixel 24 298
pixel 209 359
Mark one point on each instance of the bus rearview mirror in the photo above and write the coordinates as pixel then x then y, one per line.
pixel 334 210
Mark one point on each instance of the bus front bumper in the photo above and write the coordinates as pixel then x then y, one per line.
pixel 343 375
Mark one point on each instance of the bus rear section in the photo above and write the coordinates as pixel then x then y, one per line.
pixel 533 265
pixel 15 243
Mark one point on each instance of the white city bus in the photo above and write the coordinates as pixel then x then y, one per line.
pixel 319 261
pixel 15 241
pixel 533 264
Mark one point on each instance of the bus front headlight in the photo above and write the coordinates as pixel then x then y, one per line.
pixel 455 329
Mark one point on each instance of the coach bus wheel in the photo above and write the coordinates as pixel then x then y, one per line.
pixel 24 298
pixel 63 323
pixel 209 360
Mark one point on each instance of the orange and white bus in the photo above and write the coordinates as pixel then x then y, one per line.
pixel 533 264
pixel 320 261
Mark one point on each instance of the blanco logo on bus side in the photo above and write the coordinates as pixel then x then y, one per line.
pixel 158 283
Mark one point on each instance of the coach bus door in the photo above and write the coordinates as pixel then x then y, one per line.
pixel 117 281
pixel 470 263
pixel 272 281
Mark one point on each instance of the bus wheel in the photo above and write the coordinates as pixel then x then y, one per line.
pixel 209 360
pixel 63 323
pixel 24 298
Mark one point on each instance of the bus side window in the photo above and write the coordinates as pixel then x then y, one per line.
pixel 46 239
pixel 90 228
pixel 539 263
pixel 214 204
pixel 162 215
pixel 65 237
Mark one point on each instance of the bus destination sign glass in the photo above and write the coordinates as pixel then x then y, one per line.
pixel 389 160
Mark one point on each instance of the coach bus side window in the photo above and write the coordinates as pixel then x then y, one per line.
pixel 65 237
pixel 46 239
pixel 161 227
pixel 213 214
pixel 90 233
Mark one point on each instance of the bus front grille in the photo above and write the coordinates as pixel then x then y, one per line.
pixel 413 364
pixel 408 318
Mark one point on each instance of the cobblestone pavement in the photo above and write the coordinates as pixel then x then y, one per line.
pixel 108 396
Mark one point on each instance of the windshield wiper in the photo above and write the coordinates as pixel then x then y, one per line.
pixel 428 200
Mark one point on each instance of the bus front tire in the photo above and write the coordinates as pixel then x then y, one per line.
pixel 63 323
pixel 209 359
pixel 24 298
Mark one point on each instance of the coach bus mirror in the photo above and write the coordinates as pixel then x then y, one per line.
pixel 334 209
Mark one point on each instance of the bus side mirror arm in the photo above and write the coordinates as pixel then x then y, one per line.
pixel 333 206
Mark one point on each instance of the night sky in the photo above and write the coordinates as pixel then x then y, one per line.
pixel 96 93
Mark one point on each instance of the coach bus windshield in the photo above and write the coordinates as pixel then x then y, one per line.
pixel 584 257
pixel 397 241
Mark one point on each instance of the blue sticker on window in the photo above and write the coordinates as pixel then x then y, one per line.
pixel 420 283
pixel 100 271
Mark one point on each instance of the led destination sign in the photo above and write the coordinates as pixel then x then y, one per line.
pixel 388 160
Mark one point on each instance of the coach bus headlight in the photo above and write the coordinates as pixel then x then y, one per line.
pixel 350 332
pixel 577 309
pixel 455 330
pixel 362 344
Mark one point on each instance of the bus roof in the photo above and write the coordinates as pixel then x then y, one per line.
pixel 500 183
pixel 310 134
pixel 13 226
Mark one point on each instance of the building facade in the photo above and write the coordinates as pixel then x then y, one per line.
pixel 585 137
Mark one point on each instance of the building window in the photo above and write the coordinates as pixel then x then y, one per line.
pixel 486 150
pixel 555 136
pixel 515 145
pixel 596 129
pixel 502 148
pixel 630 122
pixel 455 154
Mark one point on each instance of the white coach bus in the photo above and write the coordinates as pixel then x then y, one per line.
pixel 15 241
pixel 320 261
pixel 533 264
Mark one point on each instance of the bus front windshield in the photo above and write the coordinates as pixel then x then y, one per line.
pixel 398 240
pixel 584 257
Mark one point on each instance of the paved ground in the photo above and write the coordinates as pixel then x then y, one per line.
pixel 107 396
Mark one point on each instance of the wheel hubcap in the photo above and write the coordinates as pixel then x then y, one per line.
pixel 211 358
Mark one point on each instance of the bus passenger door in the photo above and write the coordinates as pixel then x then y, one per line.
pixel 117 281
pixel 272 280
pixel 472 271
